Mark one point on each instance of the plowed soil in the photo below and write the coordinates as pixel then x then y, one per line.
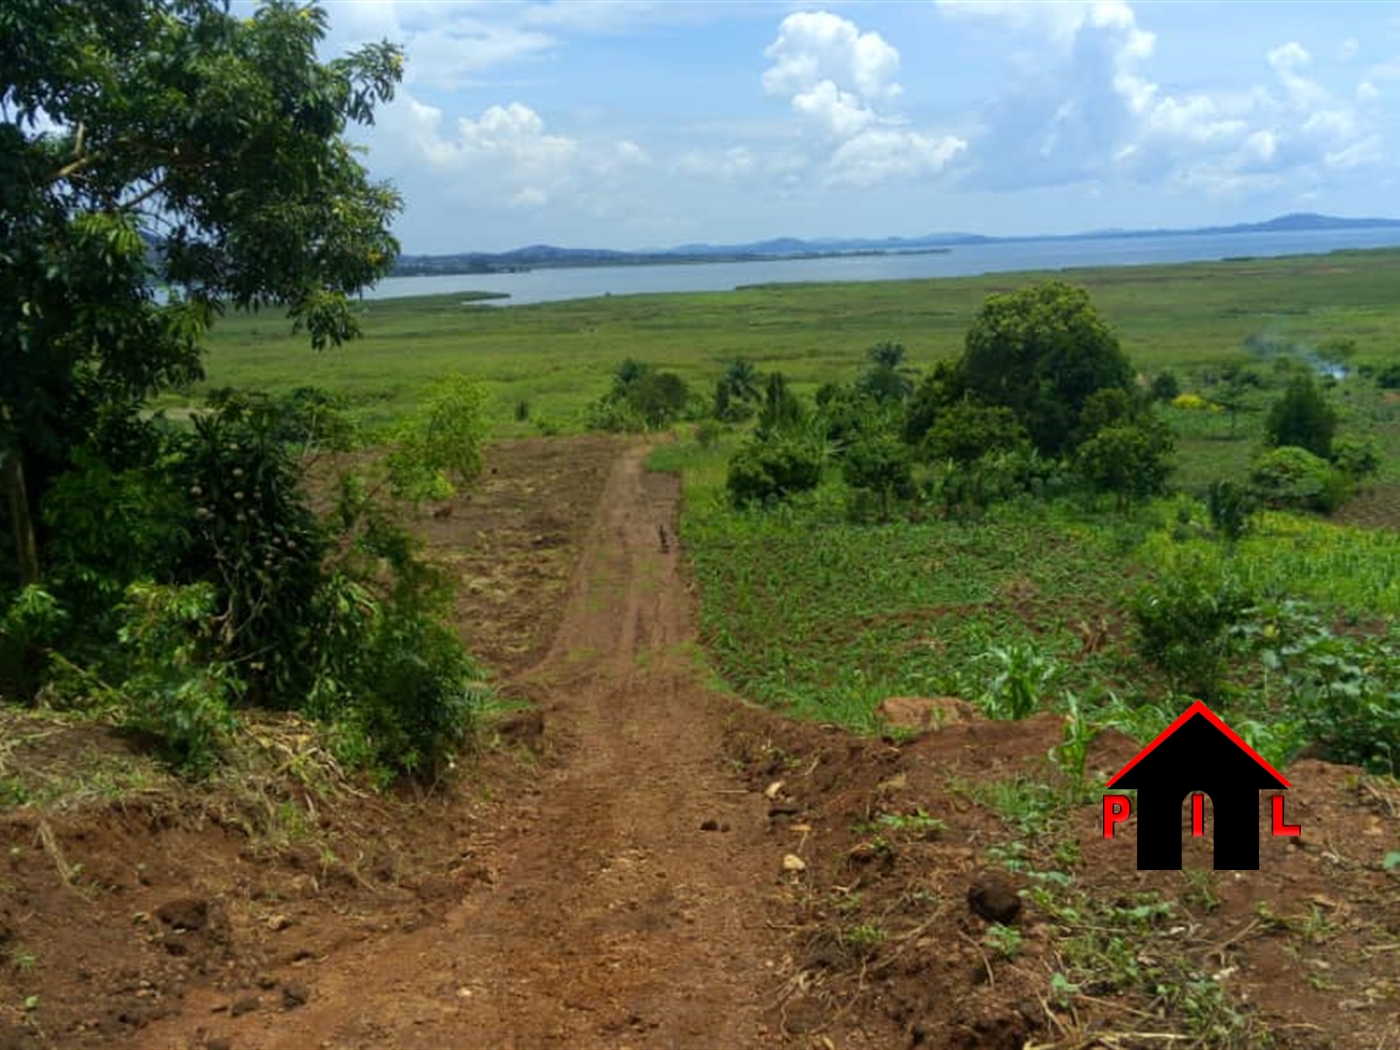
pixel 656 864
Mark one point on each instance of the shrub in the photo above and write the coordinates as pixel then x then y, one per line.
pixel 1231 506
pixel 1165 386
pixel 174 690
pixel 782 410
pixel 1190 402
pixel 1388 378
pixel 709 432
pixel 1294 478
pixel 1131 461
pixel 772 470
pixel 967 431
pixel 253 538
pixel 881 465
pixel 641 399
pixel 1355 458
pixel 438 450
pixel 1183 626
pixel 1302 418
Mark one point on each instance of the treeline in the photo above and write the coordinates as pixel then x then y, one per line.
pixel 1042 401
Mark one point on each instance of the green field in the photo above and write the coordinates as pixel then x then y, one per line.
pixel 558 356
pixel 810 611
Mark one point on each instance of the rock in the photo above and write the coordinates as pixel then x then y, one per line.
pixel 994 898
pixel 278 923
pixel 792 862
pixel 709 825
pixel 246 1005
pixel 783 809
pixel 922 713
pixel 294 995
pixel 773 790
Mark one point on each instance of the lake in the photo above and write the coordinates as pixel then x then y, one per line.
pixel 552 285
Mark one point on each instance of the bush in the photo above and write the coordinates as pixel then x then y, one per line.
pixel 438 450
pixel 967 431
pixel 641 399
pixel 176 690
pixel 1388 378
pixel 1191 402
pixel 881 465
pixel 1355 458
pixel 253 538
pixel 1294 478
pixel 1131 461
pixel 709 432
pixel 782 410
pixel 767 471
pixel 1183 627
pixel 1231 506
pixel 1343 691
pixel 1165 386
pixel 413 702
pixel 1302 418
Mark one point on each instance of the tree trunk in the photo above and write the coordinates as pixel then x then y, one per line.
pixel 26 547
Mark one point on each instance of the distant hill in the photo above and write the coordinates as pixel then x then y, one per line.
pixel 540 256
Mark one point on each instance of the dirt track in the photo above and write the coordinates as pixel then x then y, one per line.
pixel 612 919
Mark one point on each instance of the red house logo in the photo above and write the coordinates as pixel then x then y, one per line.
pixel 1197 755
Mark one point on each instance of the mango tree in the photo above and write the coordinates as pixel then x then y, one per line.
pixel 161 160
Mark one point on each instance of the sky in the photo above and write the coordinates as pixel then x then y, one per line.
pixel 634 124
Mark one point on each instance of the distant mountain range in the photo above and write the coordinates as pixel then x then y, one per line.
pixel 540 256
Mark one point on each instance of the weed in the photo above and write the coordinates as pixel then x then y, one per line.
pixel 1005 941
pixel 865 939
pixel 917 825
pixel 1200 889
pixel 1030 806
pixel 22 959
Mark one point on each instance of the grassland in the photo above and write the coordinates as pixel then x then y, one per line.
pixel 558 356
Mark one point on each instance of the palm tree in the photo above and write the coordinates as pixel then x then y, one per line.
pixel 741 378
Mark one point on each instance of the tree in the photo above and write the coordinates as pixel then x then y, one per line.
pixel 967 431
pixel 782 411
pixel 736 391
pixel 1132 461
pixel 1302 418
pixel 886 378
pixel 881 465
pixel 156 143
pixel 1041 352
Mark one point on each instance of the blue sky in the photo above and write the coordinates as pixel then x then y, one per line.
pixel 636 124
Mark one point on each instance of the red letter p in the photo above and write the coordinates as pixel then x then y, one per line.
pixel 1116 809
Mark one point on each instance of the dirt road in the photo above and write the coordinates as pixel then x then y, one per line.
pixel 613 919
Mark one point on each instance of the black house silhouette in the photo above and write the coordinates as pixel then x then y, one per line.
pixel 1198 752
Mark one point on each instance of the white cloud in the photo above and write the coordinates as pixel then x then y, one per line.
pixel 816 46
pixel 506 155
pixel 875 156
pixel 840 81
pixel 1087 109
pixel 838 112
